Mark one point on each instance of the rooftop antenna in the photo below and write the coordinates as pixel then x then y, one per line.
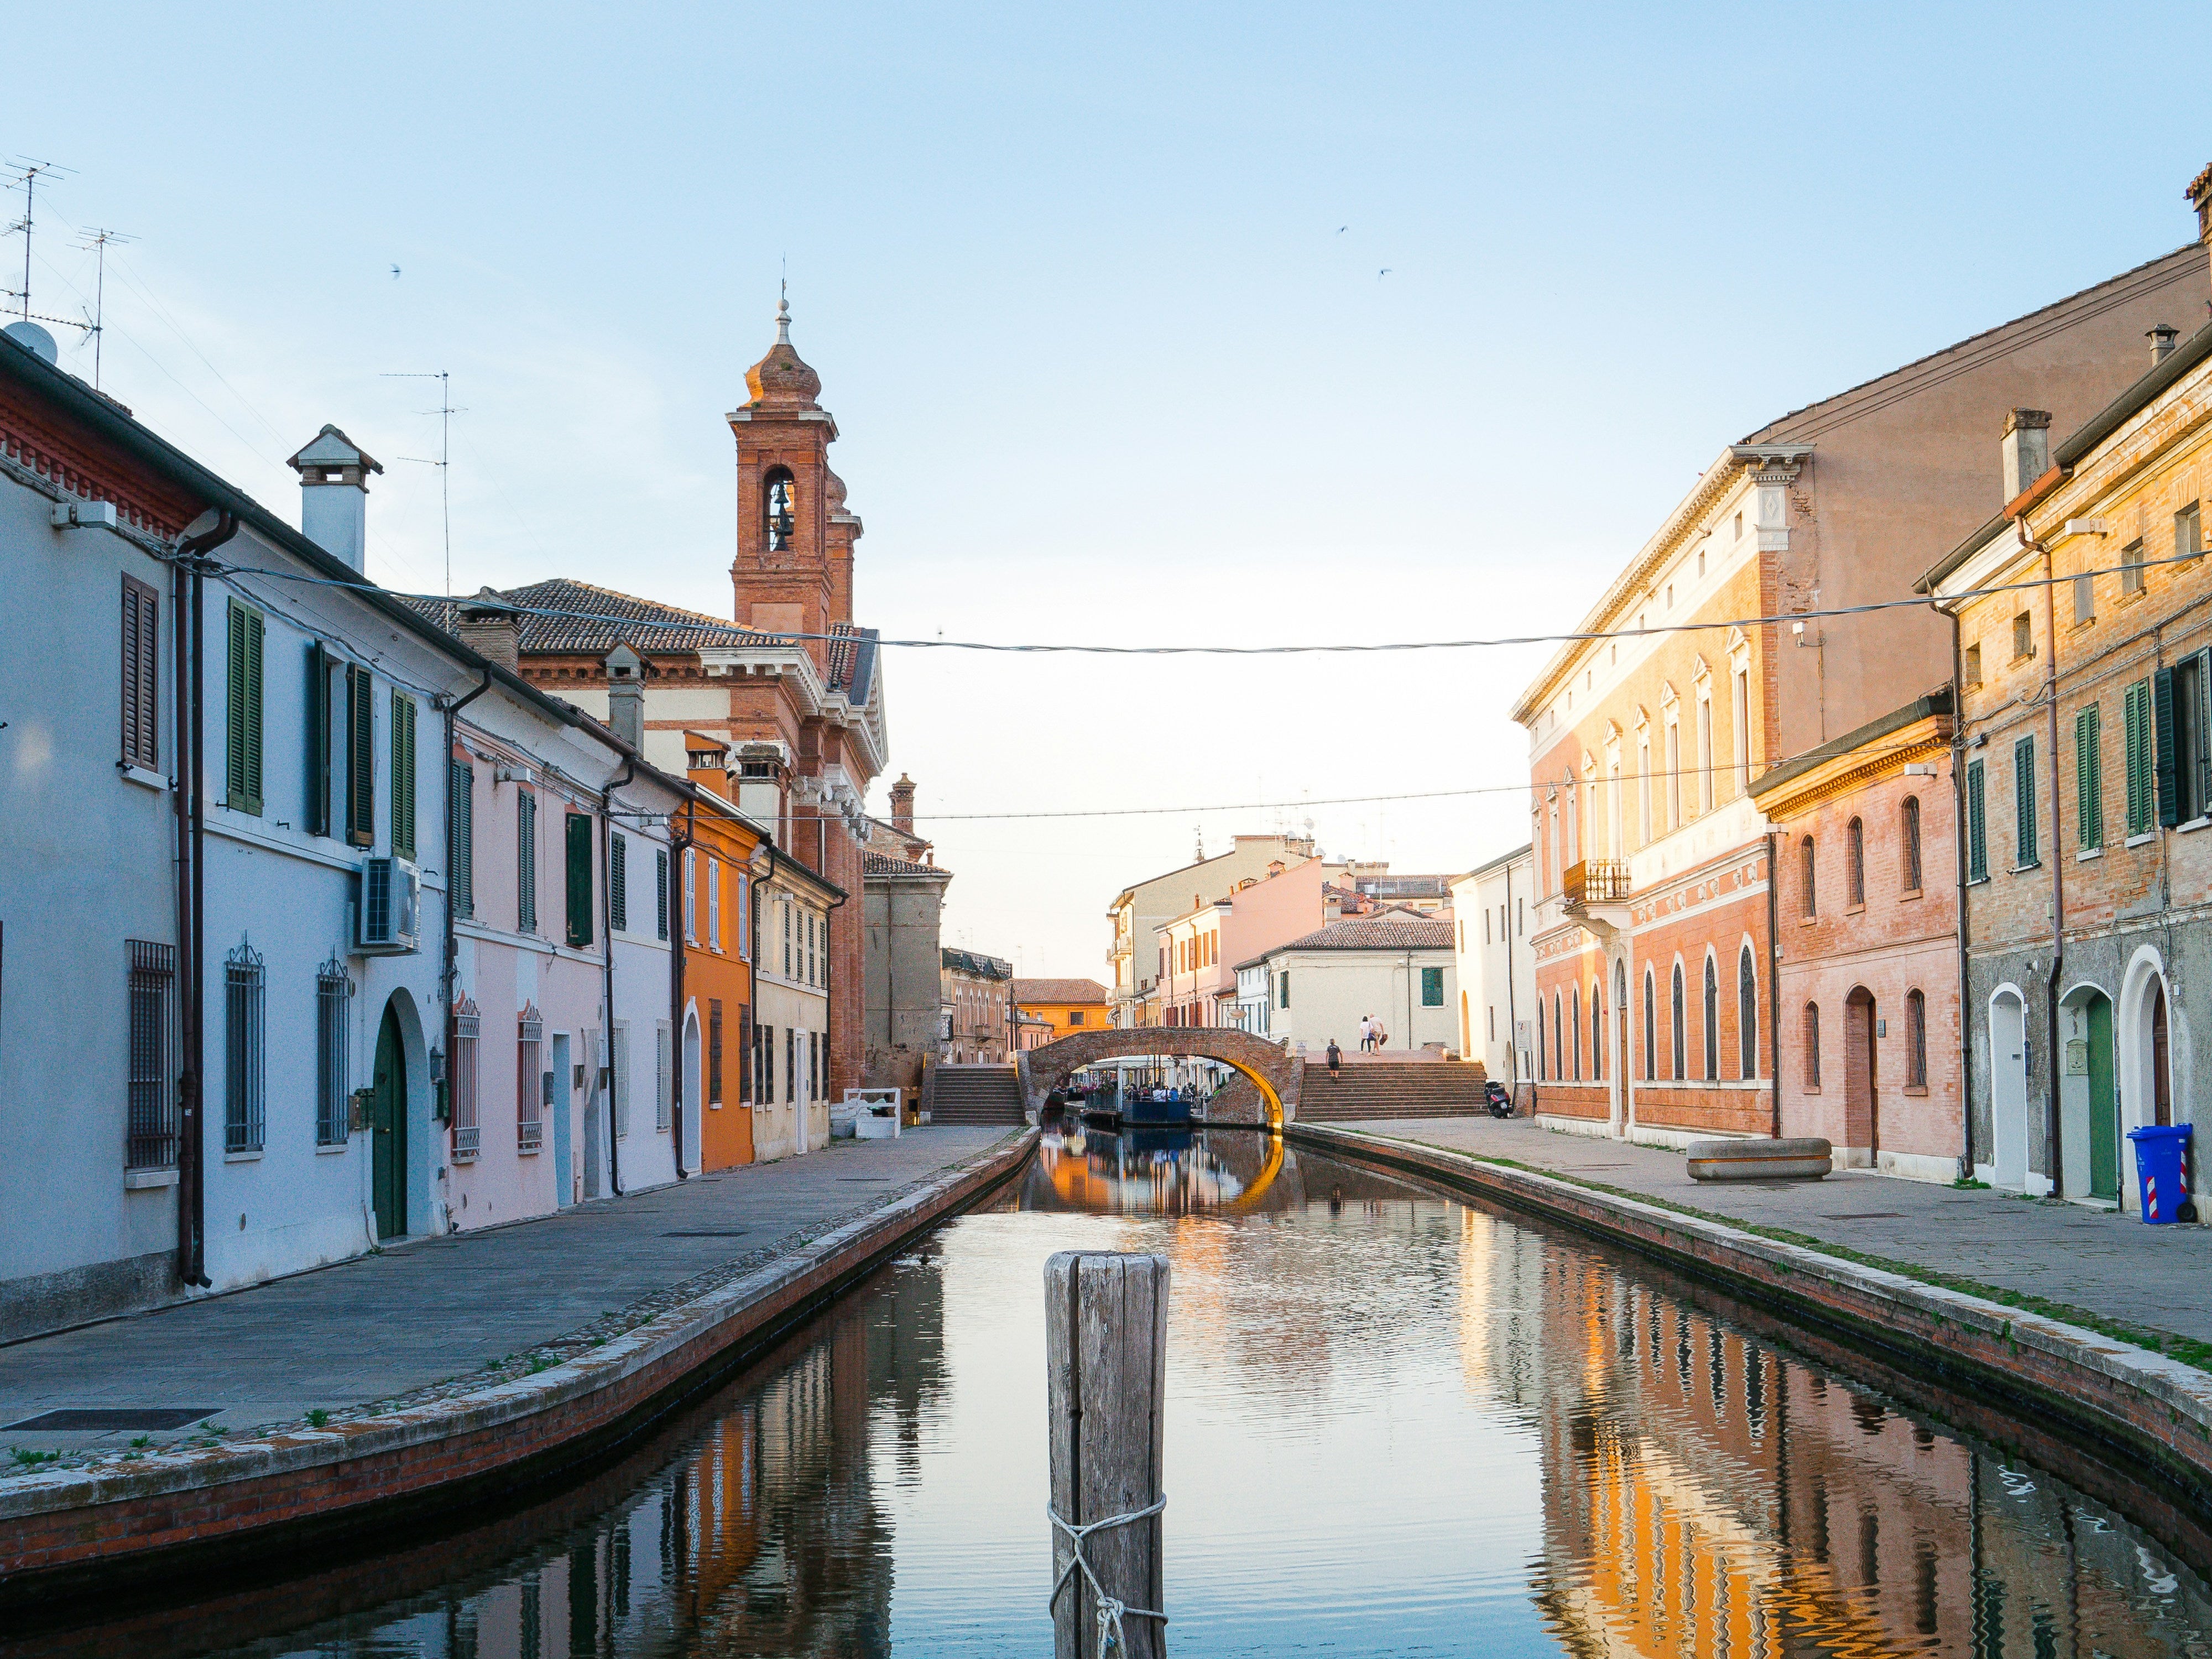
pixel 27 173
pixel 1198 835
pixel 97 241
pixel 444 411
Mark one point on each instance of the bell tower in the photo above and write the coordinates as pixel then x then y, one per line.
pixel 793 574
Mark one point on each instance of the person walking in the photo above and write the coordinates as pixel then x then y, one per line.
pixel 1335 1055
pixel 1366 1032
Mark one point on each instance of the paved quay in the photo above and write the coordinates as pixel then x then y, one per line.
pixel 2096 1260
pixel 436 1311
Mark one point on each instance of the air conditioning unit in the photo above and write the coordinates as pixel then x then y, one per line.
pixel 387 914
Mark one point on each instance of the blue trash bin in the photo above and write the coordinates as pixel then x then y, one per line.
pixel 2161 1151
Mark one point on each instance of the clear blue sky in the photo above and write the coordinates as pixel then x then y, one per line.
pixel 1095 297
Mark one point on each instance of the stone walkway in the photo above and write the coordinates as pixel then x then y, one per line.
pixel 438 1312
pixel 2091 1259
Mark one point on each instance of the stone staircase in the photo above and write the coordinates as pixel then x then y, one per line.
pixel 975 1093
pixel 1408 1088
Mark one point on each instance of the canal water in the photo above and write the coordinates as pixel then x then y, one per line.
pixel 1396 1425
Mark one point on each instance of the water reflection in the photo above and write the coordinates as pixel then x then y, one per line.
pixel 1394 1423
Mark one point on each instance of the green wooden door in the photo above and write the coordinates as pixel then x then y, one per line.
pixel 2104 1105
pixel 388 1131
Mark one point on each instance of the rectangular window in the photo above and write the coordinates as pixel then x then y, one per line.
pixel 461 807
pixel 2188 531
pixel 663 1113
pixel 402 776
pixel 714 903
pixel 245 1049
pixel 812 961
pixel 790 1065
pixel 2184 774
pixel 1674 775
pixel 660 892
pixel 2023 794
pixel 242 755
pixel 1973 668
pixel 333 991
pixel 2131 566
pixel 319 734
pixel 142 675
pixel 525 862
pixel 361 757
pixel 1493 1022
pixel 744 918
pixel 2088 780
pixel 1283 999
pixel 2023 636
pixel 2136 738
pixel 579 882
pixel 786 939
pixel 2084 599
pixel 1432 987
pixel 465 1070
pixel 1705 754
pixel 150 1135
pixel 763 1052
pixel 620 1057
pixel 692 895
pixel 1743 730
pixel 618 881
pixel 1978 845
pixel 714 1051
pixel 1644 792
pixel 532 1083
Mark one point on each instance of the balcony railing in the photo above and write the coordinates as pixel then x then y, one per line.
pixel 1597 881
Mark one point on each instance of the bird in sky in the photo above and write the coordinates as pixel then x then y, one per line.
pixel 1340 230
pixel 1381 274
pixel 395 273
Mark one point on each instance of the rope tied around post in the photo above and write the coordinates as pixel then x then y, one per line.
pixel 1111 1610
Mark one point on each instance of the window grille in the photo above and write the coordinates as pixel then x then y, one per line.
pixel 242 754
pixel 714 1051
pixel 618 881
pixel 1911 843
pixel 1855 856
pixel 530 1081
pixel 1915 1040
pixel 333 990
pixel 464 1069
pixel 142 675
pixel 660 893
pixel 1575 1026
pixel 245 993
pixel 1651 1027
pixel 661 1057
pixel 790 1064
pixel 460 802
pixel 525 862
pixel 1747 1014
pixel 620 1055
pixel 1807 886
pixel 402 776
pixel 150 1139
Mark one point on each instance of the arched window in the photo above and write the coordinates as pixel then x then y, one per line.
pixel 1911 843
pixel 1543 1069
pixel 1747 1014
pixel 1809 893
pixel 1597 1033
pixel 1558 1049
pixel 1682 1029
pixel 779 509
pixel 1855 854
pixel 1712 1022
pixel 1915 1040
pixel 1575 1025
pixel 1650 1026
pixel 1811 1045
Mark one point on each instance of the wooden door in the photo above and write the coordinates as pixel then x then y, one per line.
pixel 388 1131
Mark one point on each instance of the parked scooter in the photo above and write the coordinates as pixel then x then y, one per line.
pixel 1494 1097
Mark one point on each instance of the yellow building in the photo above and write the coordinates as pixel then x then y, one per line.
pixel 1066 1004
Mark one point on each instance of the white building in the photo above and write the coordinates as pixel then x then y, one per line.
pixel 1496 968
pixel 1395 967
pixel 791 993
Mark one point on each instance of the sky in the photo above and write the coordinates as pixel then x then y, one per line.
pixel 1142 324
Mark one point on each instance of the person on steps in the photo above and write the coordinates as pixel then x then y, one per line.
pixel 1335 1055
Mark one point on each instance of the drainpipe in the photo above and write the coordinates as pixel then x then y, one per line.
pixel 679 916
pixel 1773 984
pixel 607 957
pixel 2051 1124
pixel 1959 859
pixel 1512 1011
pixel 830 1006
pixel 453 707
pixel 186 583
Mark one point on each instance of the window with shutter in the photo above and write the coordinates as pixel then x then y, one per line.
pixel 618 881
pixel 2163 748
pixel 318 781
pixel 1911 816
pixel 746 1057
pixel 1432 987
pixel 2088 781
pixel 460 803
pixel 2025 849
pixel 578 831
pixel 525 862
pixel 660 892
pixel 361 757
pixel 1978 844
pixel 242 769
pixel 141 666
pixel 402 776
pixel 1747 1015
pixel 2135 738
pixel 2192 737
pixel 714 1051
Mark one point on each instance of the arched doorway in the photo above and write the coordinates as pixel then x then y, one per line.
pixel 2008 1090
pixel 2089 1094
pixel 694 1091
pixel 1862 1081
pixel 388 1129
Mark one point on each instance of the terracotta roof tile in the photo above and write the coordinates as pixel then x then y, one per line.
pixel 882 864
pixel 1396 932
pixel 603 619
pixel 1059 990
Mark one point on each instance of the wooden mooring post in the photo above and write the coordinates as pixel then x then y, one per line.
pixel 1106 1344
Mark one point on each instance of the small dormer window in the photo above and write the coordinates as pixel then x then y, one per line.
pixel 782 509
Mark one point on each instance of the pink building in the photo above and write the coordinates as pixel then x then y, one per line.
pixel 1200 948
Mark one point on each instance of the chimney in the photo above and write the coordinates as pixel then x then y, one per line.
pixel 491 628
pixel 2027 449
pixel 334 494
pixel 902 805
pixel 2161 340
pixel 707 763
pixel 2200 197
pixel 626 696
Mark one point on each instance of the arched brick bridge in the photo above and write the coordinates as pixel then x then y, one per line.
pixel 1274 1071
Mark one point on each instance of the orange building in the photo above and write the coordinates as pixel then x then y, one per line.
pixel 718 854
pixel 1066 1004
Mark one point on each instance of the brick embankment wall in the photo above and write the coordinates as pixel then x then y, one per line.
pixel 73 1535
pixel 2141 1410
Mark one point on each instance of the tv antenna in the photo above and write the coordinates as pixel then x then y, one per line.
pixel 444 411
pixel 26 172
pixel 96 242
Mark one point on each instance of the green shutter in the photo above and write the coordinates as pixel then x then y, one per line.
pixel 618 881
pixel 1977 846
pixel 233 754
pixel 2088 780
pixel 579 879
pixel 2169 773
pixel 2136 735
pixel 460 804
pixel 360 757
pixel 242 753
pixel 2023 802
pixel 1432 987
pixel 525 862
pixel 402 776
pixel 318 739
